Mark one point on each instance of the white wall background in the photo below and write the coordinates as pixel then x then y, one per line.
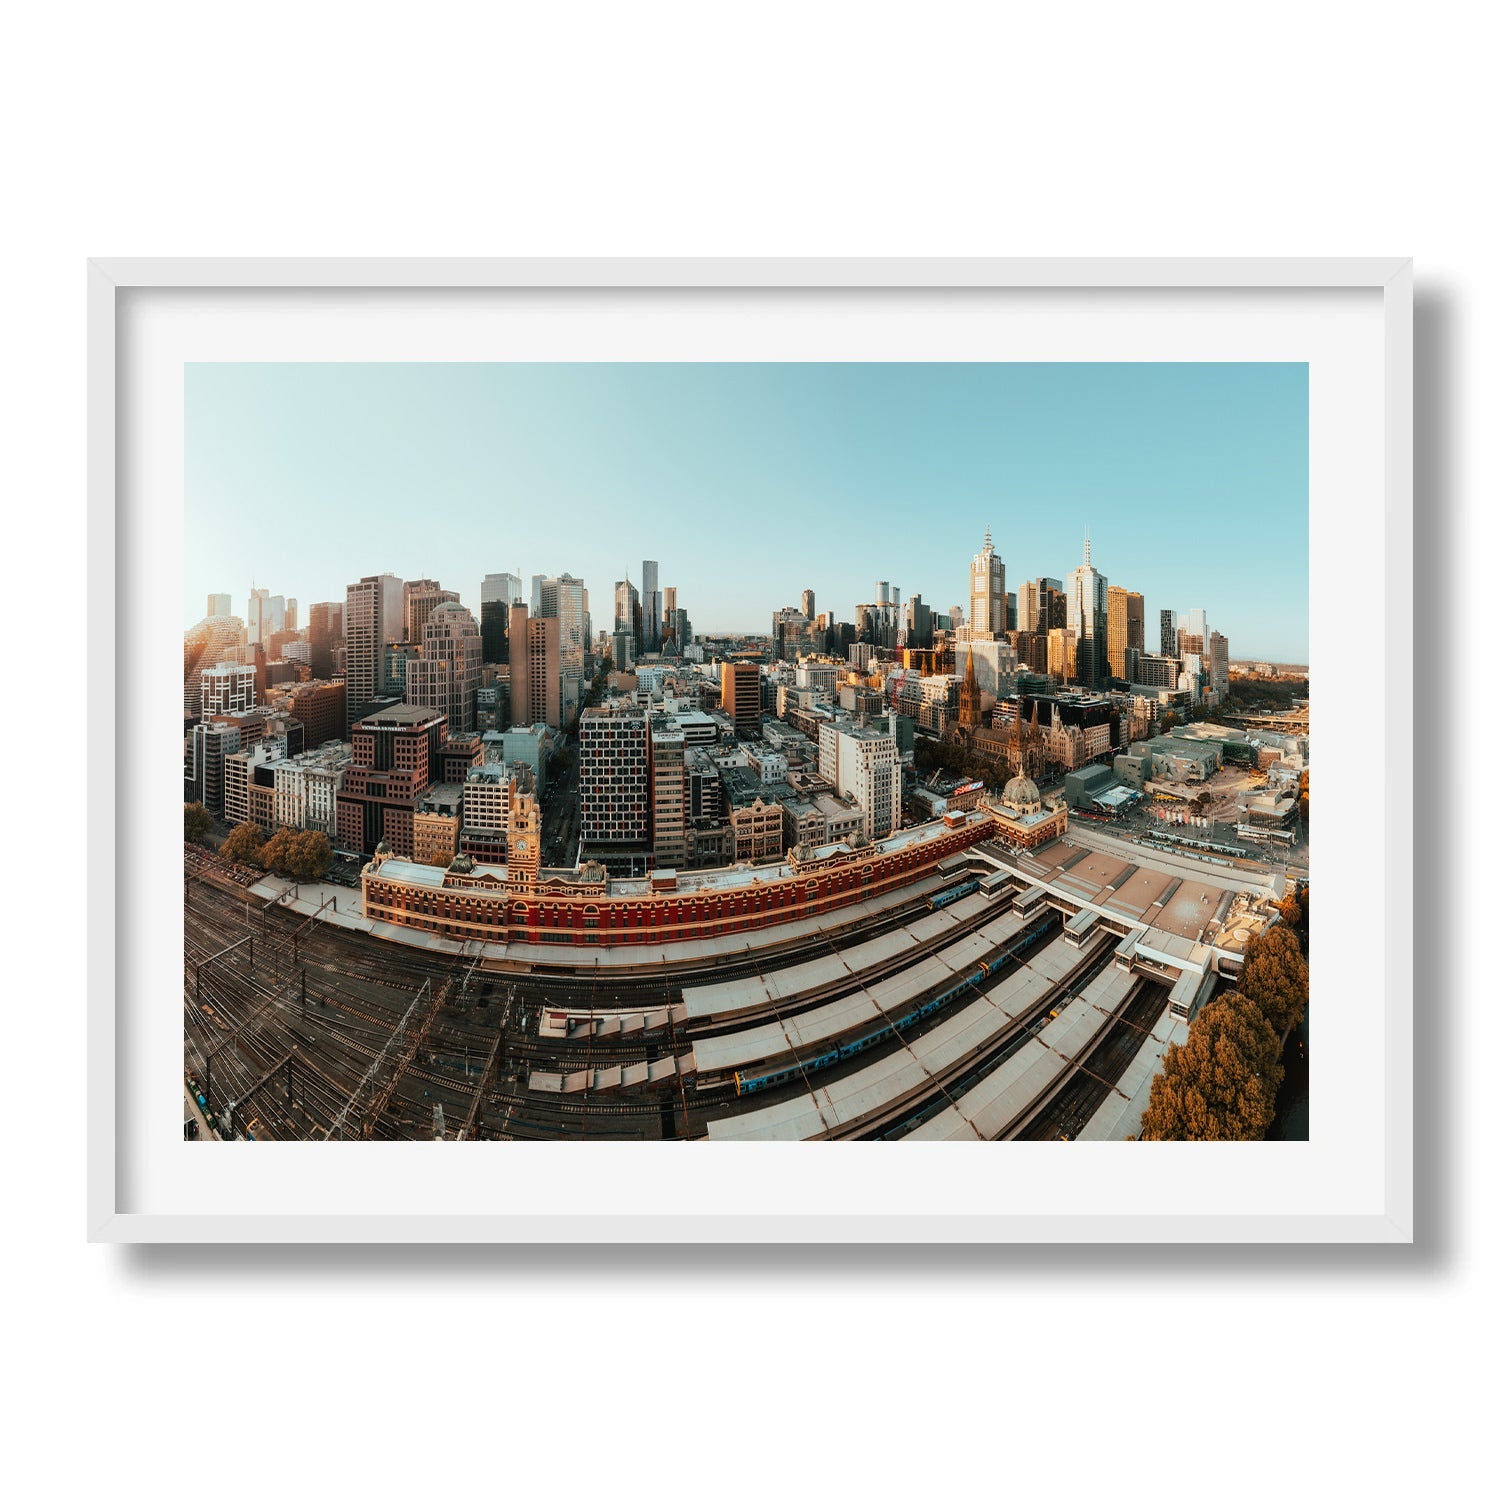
pixel 688 129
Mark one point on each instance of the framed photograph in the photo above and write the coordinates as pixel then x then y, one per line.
pixel 749 751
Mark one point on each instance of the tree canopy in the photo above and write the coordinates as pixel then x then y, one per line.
pixel 196 822
pixel 1220 1085
pixel 243 844
pixel 1275 976
pixel 296 856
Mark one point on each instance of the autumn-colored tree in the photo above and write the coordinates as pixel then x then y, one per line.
pixel 1275 976
pixel 243 844
pixel 1291 909
pixel 196 822
pixel 1220 1085
pixel 1302 797
pixel 310 856
pixel 277 851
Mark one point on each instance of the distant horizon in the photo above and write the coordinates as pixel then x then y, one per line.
pixel 750 483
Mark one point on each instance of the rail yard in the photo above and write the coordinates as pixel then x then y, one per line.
pixel 976 1006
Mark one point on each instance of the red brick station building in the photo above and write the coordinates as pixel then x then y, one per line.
pixel 519 902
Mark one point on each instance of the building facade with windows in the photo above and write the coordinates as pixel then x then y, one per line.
pixel 521 903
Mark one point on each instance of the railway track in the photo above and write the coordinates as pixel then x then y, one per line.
pixel 252 1033
pixel 1097 1071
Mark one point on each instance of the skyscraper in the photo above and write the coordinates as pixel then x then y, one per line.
pixel 740 688
pixel 987 590
pixel 650 607
pixel 419 598
pixel 566 600
pixel 1218 664
pixel 1192 634
pixel 535 670
pixel 497 593
pixel 808 606
pixel 321 637
pixel 446 676
pixel 669 615
pixel 1117 631
pixel 1169 632
pixel 918 622
pixel 218 604
pixel 1127 628
pixel 1088 618
pixel 364 641
pixel 628 609
pixel 614 787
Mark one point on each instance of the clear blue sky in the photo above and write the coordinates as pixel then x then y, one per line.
pixel 751 482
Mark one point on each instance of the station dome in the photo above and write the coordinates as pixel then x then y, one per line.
pixel 1021 793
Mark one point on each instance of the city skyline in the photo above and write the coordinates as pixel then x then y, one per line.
pixel 894 471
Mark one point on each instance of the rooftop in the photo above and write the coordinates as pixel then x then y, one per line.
pixel 401 715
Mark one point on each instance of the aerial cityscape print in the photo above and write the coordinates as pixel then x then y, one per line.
pixel 746 752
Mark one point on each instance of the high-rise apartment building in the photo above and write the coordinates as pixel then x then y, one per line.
pixel 614 786
pixel 446 676
pixel 740 697
pixel 365 636
pixel 1088 618
pixel 987 590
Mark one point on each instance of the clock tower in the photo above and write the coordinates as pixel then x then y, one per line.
pixel 523 857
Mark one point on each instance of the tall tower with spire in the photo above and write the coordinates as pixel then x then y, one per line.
pixel 970 701
pixel 1088 617
pixel 987 592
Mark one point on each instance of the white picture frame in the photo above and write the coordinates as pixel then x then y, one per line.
pixel 391 1192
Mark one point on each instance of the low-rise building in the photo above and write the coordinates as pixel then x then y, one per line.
pixel 239 770
pixel 305 787
pixel 757 830
pixel 436 823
